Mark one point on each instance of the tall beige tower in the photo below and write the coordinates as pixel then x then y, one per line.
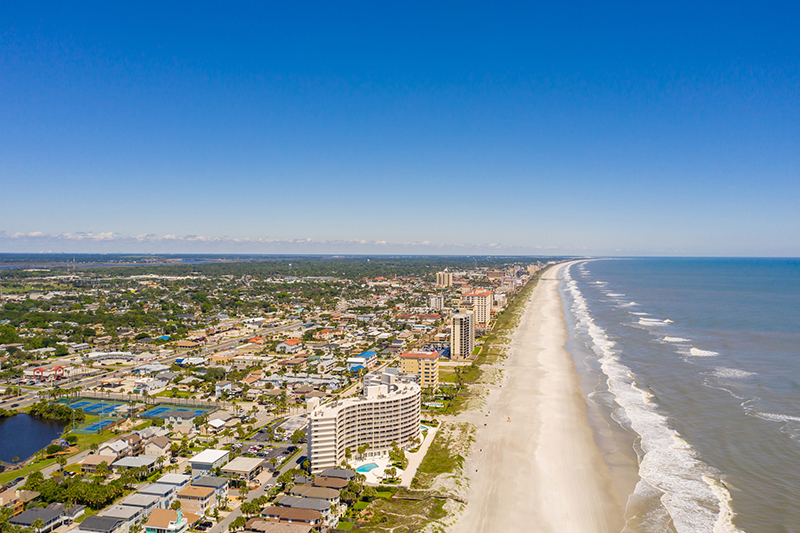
pixel 462 335
pixel 444 279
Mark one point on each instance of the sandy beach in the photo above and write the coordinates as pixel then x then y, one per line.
pixel 534 465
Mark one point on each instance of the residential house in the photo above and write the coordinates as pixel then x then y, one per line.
pixel 102 524
pixel 222 387
pixel 165 493
pixel 147 462
pixel 51 518
pixel 262 526
pixel 130 514
pixel 157 446
pixel 147 502
pixel 219 484
pixel 289 346
pixel 308 504
pixel 16 499
pixel 293 516
pixel 117 448
pixel 169 521
pixel 196 500
pixel 178 480
pixel 321 493
pixel 91 462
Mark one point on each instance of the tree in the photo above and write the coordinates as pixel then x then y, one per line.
pixel 38 524
pixel 238 523
pixel 243 491
pixel 297 436
pixel 175 505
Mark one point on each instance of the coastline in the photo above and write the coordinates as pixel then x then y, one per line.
pixel 535 465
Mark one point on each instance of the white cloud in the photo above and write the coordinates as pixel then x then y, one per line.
pixel 108 241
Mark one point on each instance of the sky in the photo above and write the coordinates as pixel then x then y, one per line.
pixel 380 127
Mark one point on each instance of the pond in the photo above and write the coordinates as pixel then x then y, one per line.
pixel 23 435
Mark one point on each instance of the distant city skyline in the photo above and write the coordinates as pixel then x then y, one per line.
pixel 416 129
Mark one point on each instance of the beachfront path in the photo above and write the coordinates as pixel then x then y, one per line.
pixel 534 466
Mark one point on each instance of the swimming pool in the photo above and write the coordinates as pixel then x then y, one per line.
pixel 366 468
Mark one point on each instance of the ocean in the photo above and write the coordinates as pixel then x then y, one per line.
pixel 691 370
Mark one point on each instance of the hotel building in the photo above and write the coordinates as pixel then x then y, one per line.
pixel 387 411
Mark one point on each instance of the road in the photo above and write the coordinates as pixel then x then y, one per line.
pixel 222 526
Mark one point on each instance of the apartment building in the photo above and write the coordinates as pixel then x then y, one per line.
pixel 387 411
pixel 196 500
pixel 462 335
pixel 436 301
pixel 481 301
pixel 444 279
pixel 423 364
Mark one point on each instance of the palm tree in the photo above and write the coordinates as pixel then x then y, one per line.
pixel 38 524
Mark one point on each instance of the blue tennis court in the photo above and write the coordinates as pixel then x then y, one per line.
pixel 162 411
pixel 97 426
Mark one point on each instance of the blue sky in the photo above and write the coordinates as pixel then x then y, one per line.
pixel 400 128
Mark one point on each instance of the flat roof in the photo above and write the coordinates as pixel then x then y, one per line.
pixel 141 500
pixel 243 465
pixel 209 456
pixel 122 511
pixel 174 479
pixel 196 492
pixel 157 488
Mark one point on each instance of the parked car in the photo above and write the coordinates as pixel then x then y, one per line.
pixel 13 405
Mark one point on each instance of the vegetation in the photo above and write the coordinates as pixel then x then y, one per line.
pixel 56 411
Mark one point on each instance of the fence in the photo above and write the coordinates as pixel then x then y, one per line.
pixel 153 400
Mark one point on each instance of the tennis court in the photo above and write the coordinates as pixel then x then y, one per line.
pixel 94 407
pixel 94 427
pixel 163 411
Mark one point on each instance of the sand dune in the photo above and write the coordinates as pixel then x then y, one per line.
pixel 534 465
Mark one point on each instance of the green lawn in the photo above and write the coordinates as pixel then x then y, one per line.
pixel 345 526
pixel 360 506
pixel 181 394
pixel 5 477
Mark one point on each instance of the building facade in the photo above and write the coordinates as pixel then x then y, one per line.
pixel 384 413
pixel 423 364
pixel 481 304
pixel 444 279
pixel 462 335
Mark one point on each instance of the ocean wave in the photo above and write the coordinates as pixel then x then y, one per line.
pixel 637 313
pixel 690 496
pixel 732 373
pixel 675 339
pixel 653 322
pixel 615 294
pixel 774 417
pixel 697 352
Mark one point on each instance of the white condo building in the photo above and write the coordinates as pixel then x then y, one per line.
pixel 387 411
pixel 462 335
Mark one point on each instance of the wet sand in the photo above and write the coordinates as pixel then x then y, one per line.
pixel 534 465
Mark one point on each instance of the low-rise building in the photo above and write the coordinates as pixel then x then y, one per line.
pixel 219 484
pixel 244 468
pixel 207 460
pixel 130 514
pixel 165 493
pixel 102 524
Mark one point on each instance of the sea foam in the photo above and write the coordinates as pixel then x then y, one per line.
pixel 696 352
pixel 689 489
pixel 675 339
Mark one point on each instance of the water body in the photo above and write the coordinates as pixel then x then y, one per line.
pixel 694 367
pixel 23 435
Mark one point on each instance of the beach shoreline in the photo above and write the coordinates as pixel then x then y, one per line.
pixel 535 465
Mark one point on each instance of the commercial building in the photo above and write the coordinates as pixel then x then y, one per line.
pixel 444 279
pixel 462 335
pixel 245 468
pixel 482 301
pixel 207 460
pixel 423 364
pixel 384 413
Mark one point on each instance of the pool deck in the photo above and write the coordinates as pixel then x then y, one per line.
pixel 375 475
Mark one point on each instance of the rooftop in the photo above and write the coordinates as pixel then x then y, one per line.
pixel 209 456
